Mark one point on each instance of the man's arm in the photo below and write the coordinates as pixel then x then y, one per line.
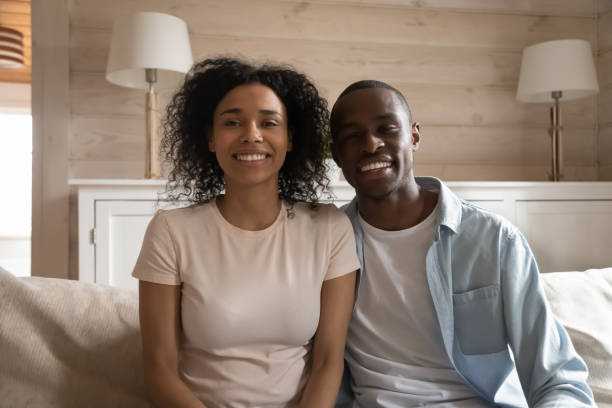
pixel 552 374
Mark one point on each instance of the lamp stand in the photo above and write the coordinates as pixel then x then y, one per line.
pixel 152 166
pixel 556 131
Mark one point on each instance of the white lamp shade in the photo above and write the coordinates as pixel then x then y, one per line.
pixel 149 40
pixel 562 65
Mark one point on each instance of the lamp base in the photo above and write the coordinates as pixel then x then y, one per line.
pixel 556 131
pixel 152 165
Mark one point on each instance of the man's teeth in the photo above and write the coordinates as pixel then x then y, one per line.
pixel 250 157
pixel 376 165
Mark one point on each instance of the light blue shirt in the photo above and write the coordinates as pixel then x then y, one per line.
pixel 497 328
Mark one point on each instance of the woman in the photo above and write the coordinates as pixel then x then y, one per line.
pixel 245 297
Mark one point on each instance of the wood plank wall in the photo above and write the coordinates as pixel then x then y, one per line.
pixel 604 100
pixel 456 61
pixel 15 14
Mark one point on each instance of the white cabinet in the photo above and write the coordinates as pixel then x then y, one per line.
pixel 568 225
pixel 113 217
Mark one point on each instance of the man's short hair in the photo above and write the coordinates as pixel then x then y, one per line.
pixel 367 84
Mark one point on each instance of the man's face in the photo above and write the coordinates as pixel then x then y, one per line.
pixel 373 142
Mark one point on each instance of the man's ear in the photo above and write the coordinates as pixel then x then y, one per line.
pixel 210 140
pixel 416 135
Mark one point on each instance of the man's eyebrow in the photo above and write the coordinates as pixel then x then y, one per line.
pixel 386 116
pixel 342 125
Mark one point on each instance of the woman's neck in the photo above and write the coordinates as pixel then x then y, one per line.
pixel 250 208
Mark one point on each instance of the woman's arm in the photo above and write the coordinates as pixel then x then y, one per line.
pixel 328 355
pixel 160 328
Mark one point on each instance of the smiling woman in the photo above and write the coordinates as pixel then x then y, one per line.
pixel 254 287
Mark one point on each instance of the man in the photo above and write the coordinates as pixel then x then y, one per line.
pixel 449 309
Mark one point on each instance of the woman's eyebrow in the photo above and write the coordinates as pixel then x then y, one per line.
pixel 231 110
pixel 270 112
pixel 238 110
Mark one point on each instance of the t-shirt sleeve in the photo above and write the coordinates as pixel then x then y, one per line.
pixel 157 261
pixel 343 255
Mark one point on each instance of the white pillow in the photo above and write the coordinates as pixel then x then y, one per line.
pixel 582 301
pixel 69 344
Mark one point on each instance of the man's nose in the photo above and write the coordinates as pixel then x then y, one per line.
pixel 251 134
pixel 372 143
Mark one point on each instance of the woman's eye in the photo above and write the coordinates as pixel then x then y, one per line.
pixel 270 123
pixel 231 122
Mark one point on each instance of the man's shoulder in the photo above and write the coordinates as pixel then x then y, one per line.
pixel 477 218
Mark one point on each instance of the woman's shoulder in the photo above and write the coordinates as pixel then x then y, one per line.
pixel 188 213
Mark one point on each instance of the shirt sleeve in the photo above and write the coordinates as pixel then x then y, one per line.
pixel 550 370
pixel 343 255
pixel 157 261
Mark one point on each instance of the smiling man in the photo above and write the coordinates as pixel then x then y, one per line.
pixel 449 309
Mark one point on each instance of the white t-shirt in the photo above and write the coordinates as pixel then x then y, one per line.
pixel 394 346
pixel 250 299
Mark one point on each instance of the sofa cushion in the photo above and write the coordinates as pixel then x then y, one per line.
pixel 68 344
pixel 582 302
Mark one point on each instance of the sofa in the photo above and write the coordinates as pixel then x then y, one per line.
pixel 73 344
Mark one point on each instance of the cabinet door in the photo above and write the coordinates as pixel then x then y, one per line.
pixel 567 235
pixel 120 229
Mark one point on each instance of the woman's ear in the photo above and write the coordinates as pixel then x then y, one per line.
pixel 289 141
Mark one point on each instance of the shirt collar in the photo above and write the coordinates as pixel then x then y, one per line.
pixel 449 204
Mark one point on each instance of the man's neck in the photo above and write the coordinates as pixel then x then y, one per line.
pixel 404 208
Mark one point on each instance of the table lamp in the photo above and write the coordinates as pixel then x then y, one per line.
pixel 555 70
pixel 149 51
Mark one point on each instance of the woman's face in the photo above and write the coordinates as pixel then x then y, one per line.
pixel 249 135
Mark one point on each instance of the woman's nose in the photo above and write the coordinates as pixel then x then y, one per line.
pixel 251 134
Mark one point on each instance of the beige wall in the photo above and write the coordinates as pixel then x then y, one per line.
pixel 604 100
pixel 456 61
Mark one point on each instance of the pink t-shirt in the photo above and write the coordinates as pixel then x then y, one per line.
pixel 250 299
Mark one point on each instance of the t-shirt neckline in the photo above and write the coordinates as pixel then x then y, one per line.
pixel 228 226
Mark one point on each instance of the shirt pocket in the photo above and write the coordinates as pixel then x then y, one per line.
pixel 479 322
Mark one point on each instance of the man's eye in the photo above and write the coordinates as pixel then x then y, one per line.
pixel 388 128
pixel 349 135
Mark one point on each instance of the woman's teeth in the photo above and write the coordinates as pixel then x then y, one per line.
pixel 250 157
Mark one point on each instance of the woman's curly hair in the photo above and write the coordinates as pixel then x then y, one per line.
pixel 195 173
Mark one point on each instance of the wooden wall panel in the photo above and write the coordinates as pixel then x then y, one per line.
pixel 605 31
pixel 605 145
pixel 604 6
pixel 573 8
pixel 604 69
pixel 347 22
pixel 604 99
pixel 456 61
pixel 501 172
pixel 462 106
